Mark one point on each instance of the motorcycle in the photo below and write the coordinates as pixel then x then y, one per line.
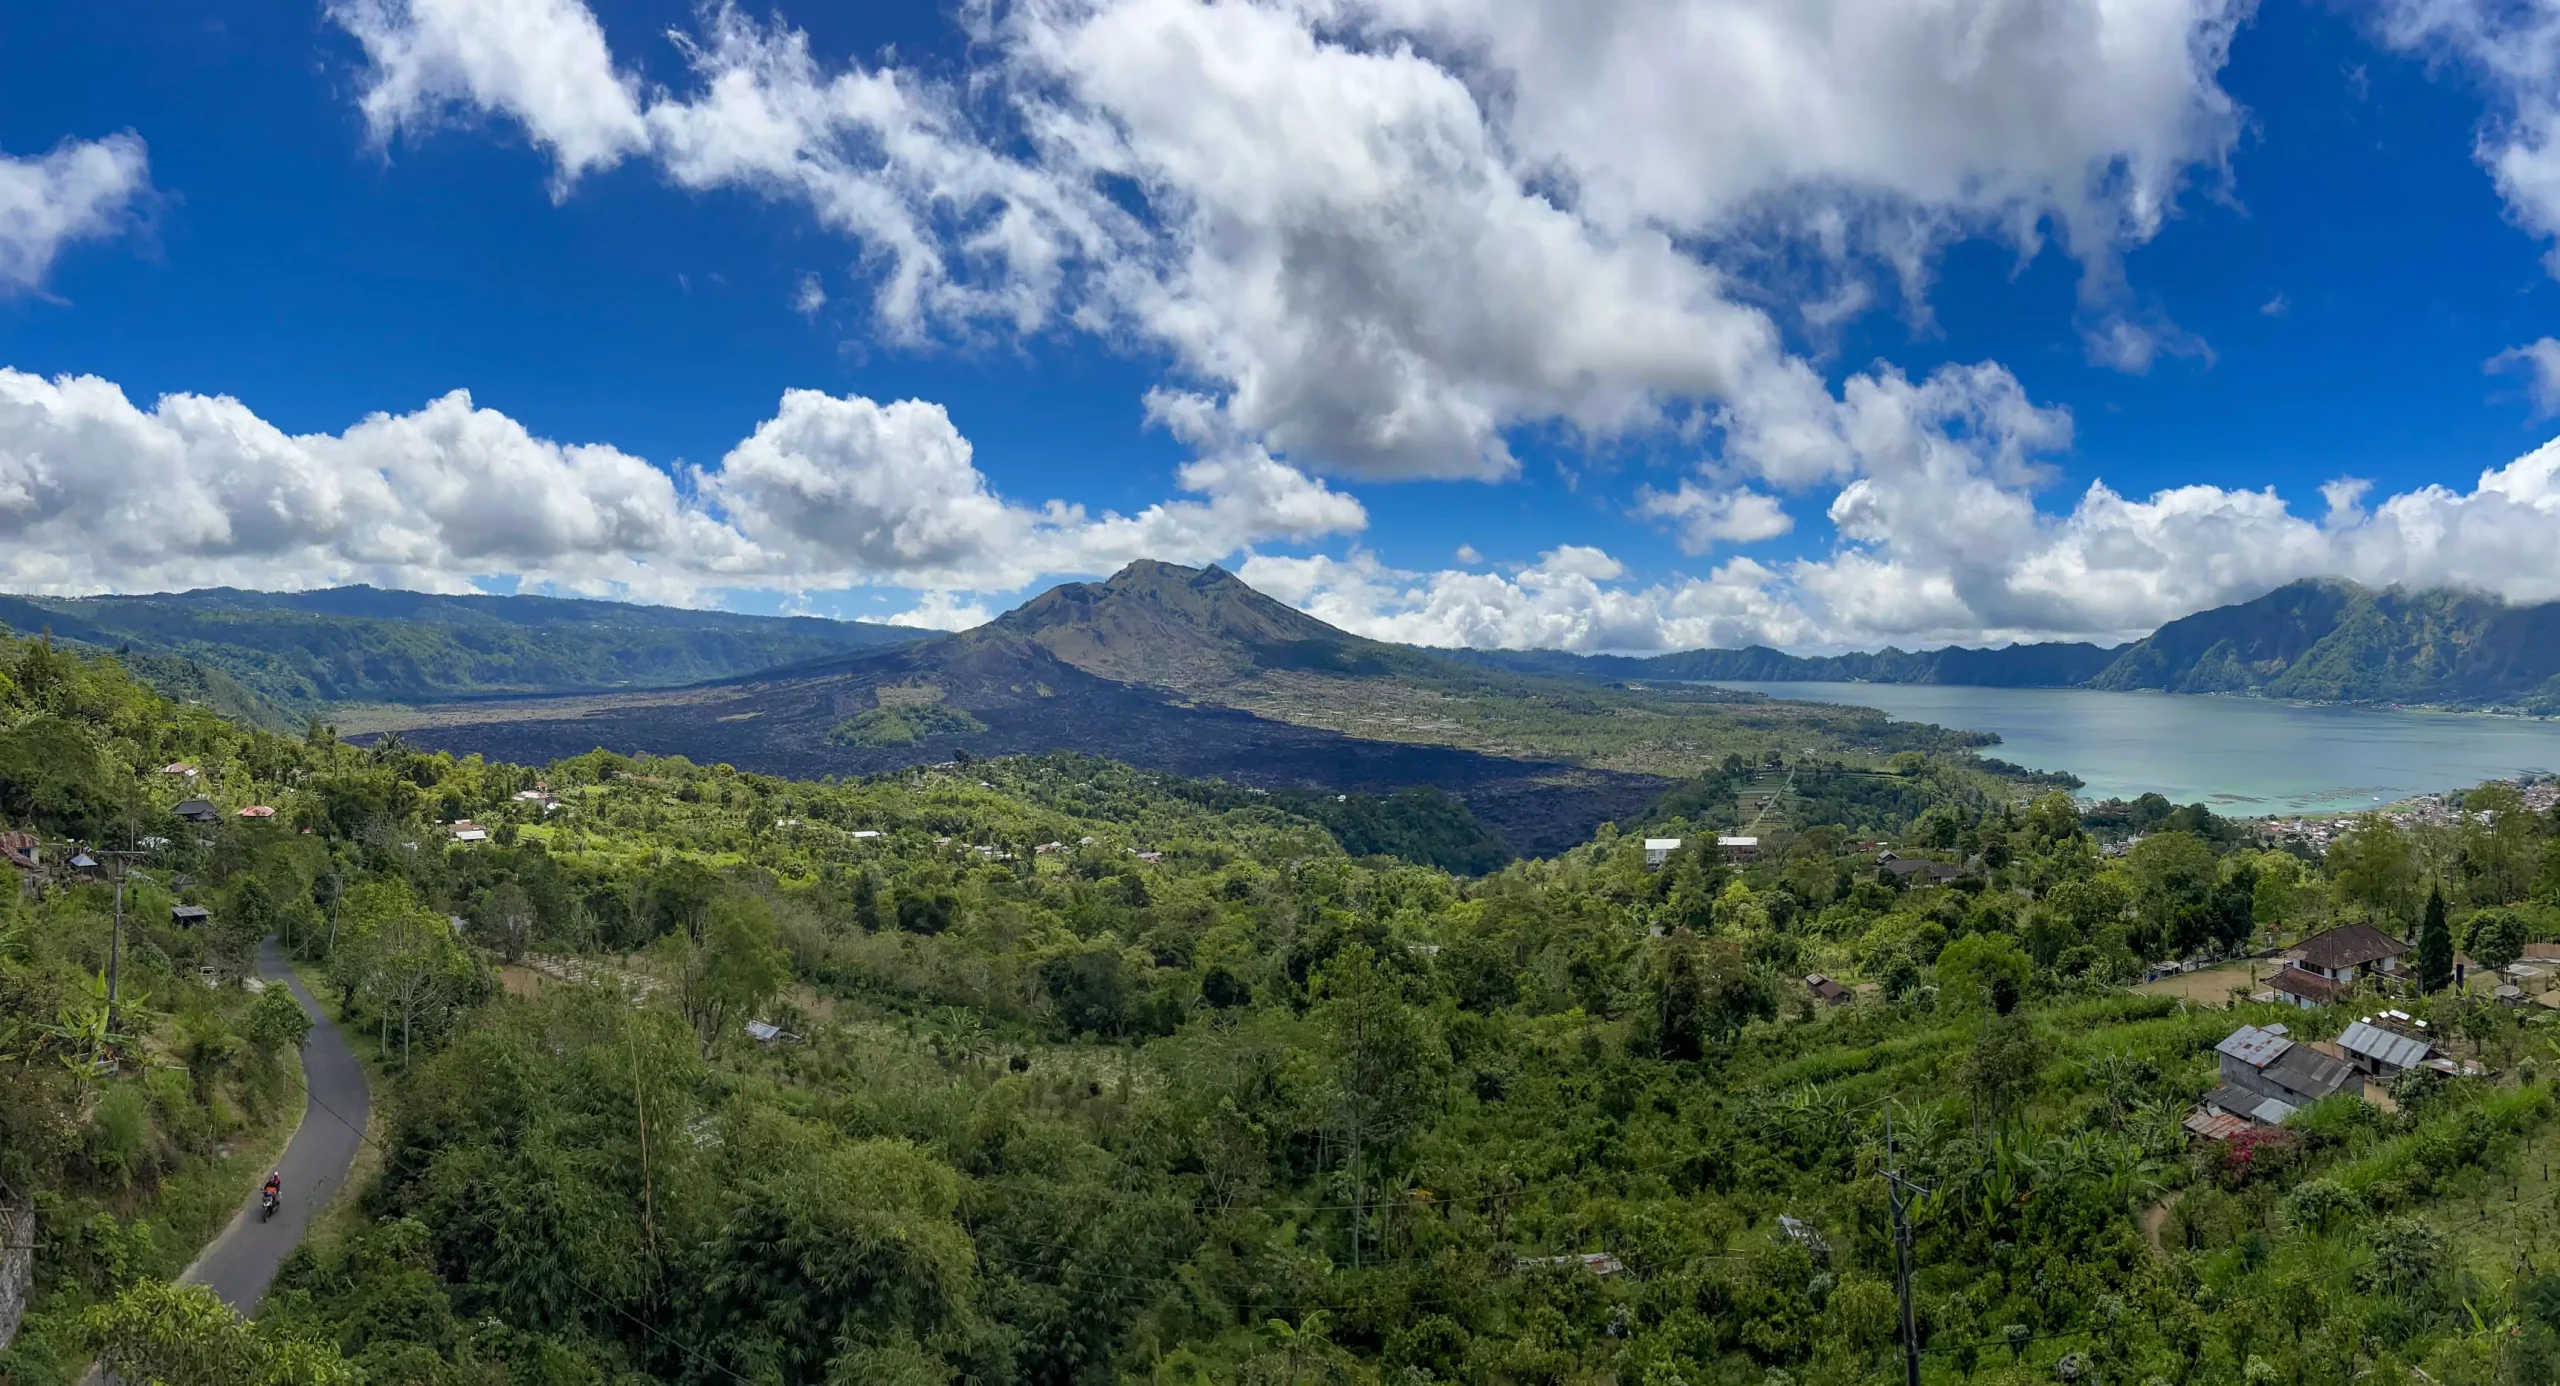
pixel 266 1204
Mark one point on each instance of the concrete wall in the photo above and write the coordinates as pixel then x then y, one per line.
pixel 17 1269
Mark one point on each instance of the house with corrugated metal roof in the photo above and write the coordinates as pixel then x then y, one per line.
pixel 2384 1049
pixel 2267 1075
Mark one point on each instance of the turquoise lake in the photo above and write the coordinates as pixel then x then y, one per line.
pixel 2244 756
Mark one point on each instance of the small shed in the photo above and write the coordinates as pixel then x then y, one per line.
pixel 1828 991
pixel 1912 869
pixel 196 811
pixel 19 850
pixel 1806 1235
pixel 189 916
pixel 257 811
pixel 2214 1126
pixel 1596 1262
pixel 1658 850
pixel 1738 848
pixel 468 831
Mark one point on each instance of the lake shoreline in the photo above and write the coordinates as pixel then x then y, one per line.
pixel 2503 711
pixel 2242 755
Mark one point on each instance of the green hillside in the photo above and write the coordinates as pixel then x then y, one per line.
pixel 1083 1074
pixel 2319 641
pixel 302 650
pixel 2337 642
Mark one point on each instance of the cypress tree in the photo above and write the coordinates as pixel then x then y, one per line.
pixel 866 901
pixel 2435 946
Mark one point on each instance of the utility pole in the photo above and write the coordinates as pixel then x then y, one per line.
pixel 115 940
pixel 115 936
pixel 1897 1189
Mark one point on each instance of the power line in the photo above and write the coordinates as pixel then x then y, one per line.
pixel 390 1157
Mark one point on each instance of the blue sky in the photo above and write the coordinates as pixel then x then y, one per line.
pixel 2315 225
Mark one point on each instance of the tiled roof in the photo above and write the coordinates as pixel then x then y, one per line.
pixel 2308 985
pixel 2348 945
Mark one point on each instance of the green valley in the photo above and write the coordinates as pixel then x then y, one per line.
pixel 1047 1069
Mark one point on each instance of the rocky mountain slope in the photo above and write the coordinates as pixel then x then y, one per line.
pixel 1192 672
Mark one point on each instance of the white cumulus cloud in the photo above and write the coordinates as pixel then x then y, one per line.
pixel 81 190
pixel 2512 49
pixel 943 611
pixel 1706 517
pixel 2539 363
pixel 99 494
pixel 1939 550
pixel 1376 236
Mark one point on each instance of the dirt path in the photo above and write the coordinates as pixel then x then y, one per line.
pixel 2155 1221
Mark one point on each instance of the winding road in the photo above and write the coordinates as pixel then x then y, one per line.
pixel 243 1260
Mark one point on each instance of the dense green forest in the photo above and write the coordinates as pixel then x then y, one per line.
pixel 263 651
pixel 1084 1074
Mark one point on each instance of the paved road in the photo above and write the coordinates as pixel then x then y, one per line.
pixel 244 1258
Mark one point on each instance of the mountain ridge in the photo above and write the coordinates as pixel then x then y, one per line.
pixel 2327 640
pixel 1193 672
pixel 2046 665
pixel 2314 640
pixel 302 652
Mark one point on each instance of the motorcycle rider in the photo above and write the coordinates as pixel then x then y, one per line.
pixel 274 1191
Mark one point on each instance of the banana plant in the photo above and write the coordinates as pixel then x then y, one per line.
pixel 83 1033
pixel 2483 1326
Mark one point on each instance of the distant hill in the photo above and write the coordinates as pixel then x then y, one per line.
pixel 2057 665
pixel 2319 641
pixel 2334 641
pixel 1192 672
pixel 295 652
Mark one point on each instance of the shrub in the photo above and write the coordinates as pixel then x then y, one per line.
pixel 118 1140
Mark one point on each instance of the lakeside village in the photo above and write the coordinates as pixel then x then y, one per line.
pixel 2539 791
pixel 2267 1073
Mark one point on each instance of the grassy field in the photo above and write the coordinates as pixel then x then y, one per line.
pixel 2212 986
